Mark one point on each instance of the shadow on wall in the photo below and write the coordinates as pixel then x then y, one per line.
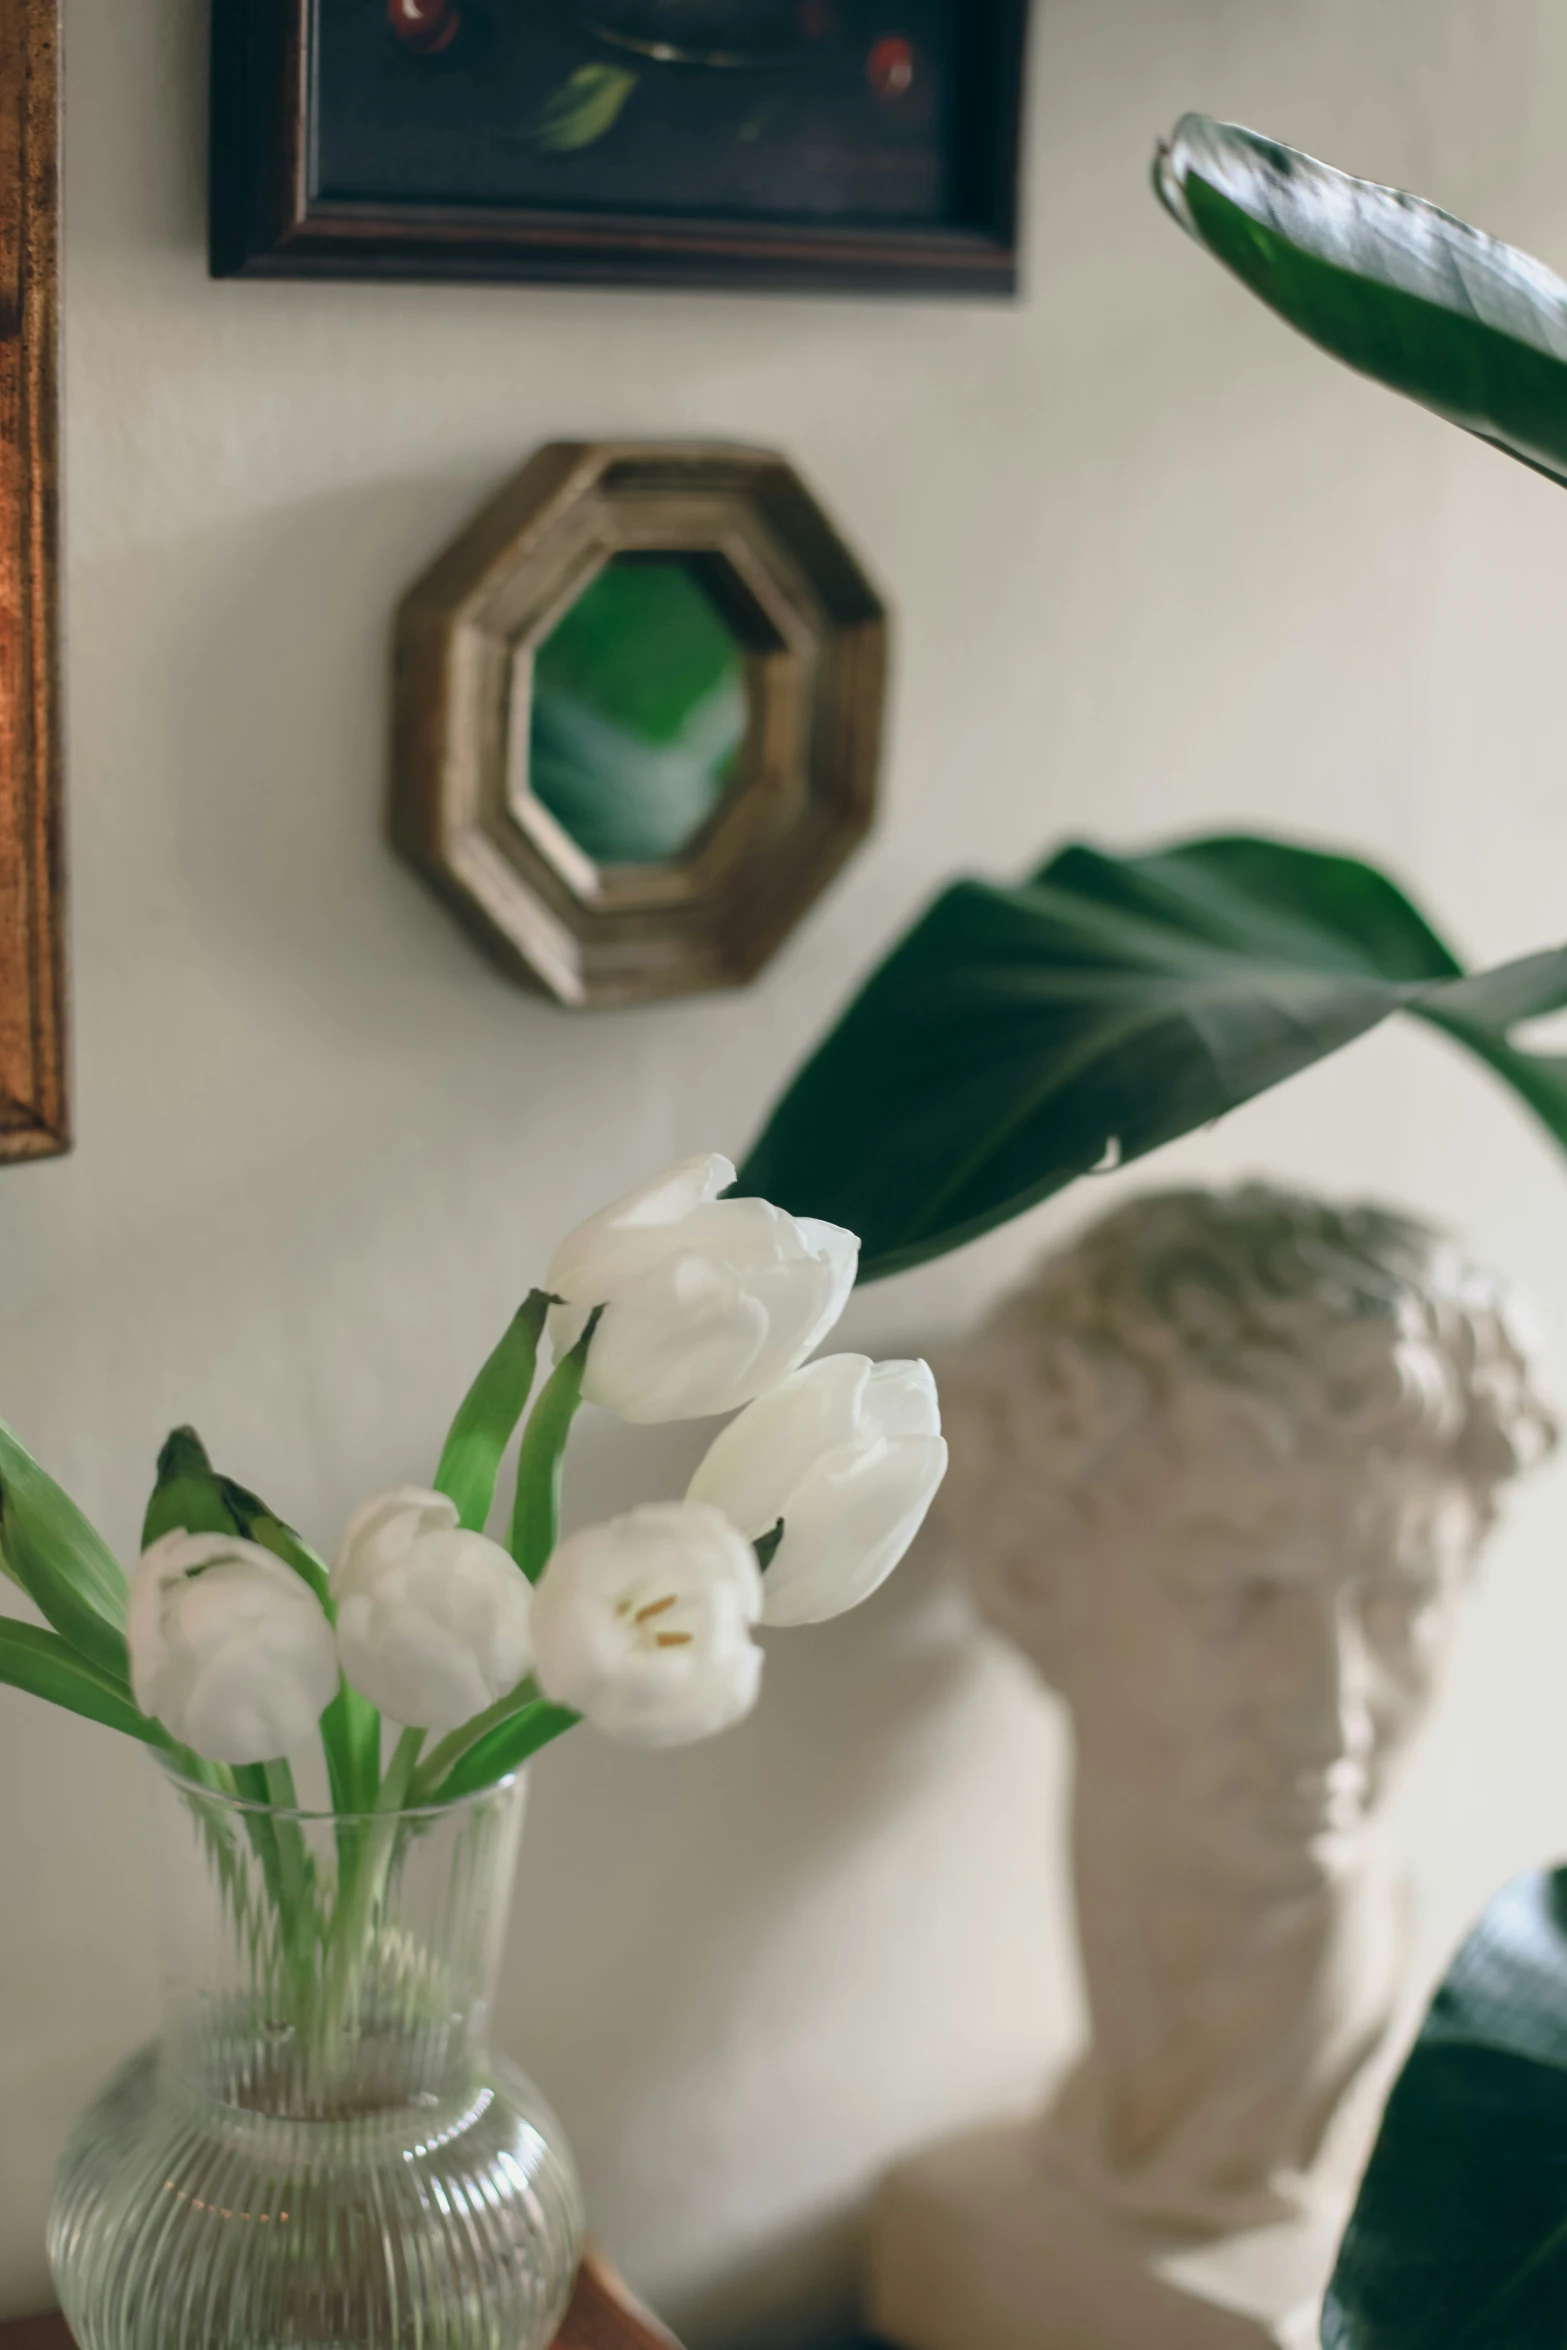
pixel 272 723
pixel 728 1966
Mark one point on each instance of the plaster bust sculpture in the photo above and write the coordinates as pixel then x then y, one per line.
pixel 1222 1469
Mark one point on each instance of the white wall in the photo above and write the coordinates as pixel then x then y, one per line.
pixel 1158 567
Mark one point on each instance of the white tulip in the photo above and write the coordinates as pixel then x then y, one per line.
pixel 230 1650
pixel 432 1621
pixel 644 1625
pixel 848 1453
pixel 707 1301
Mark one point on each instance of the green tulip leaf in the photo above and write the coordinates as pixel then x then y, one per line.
pixel 350 1726
pixel 258 1523
pixel 541 1458
pixel 1019 1038
pixel 63 1564
pixel 505 1748
pixel 489 1412
pixel 1387 283
pixel 46 1666
pixel 1459 2238
pixel 187 1497
pixel 192 1495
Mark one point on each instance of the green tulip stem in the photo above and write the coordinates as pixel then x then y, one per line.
pixel 489 1412
pixel 361 1887
pixel 535 1525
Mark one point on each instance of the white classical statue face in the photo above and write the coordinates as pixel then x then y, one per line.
pixel 1248 1654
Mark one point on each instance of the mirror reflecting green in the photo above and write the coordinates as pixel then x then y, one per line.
pixel 640 709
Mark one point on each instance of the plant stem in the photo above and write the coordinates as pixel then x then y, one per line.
pixel 399 1771
pixel 535 1525
pixel 296 1903
pixel 361 1886
pixel 488 1413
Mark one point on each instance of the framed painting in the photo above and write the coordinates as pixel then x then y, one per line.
pixel 34 1112
pixel 870 145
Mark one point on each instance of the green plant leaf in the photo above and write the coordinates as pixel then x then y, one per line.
pixel 45 1666
pixel 586 105
pixel 1018 1038
pixel 351 1741
pixel 191 1494
pixel 489 1412
pixel 541 1458
pixel 259 1523
pixel 187 1495
pixel 505 1748
pixel 1459 2237
pixel 61 1561
pixel 1386 282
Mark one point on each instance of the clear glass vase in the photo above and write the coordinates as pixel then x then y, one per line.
pixel 321 2150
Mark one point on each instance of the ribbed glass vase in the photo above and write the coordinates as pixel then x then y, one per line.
pixel 321 2151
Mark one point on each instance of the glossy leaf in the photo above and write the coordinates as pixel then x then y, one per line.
pixel 1019 1038
pixel 61 1561
pixel 46 1666
pixel 1459 2238
pixel 1390 284
pixel 488 1414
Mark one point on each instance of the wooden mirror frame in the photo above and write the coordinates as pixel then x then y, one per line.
pixel 34 1106
pixel 814 634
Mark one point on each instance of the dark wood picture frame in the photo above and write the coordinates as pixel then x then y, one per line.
pixel 34 1106
pixel 269 217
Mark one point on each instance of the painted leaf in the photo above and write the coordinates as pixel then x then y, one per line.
pixel 61 1561
pixel 1459 2238
pixel 1390 284
pixel 586 105
pixel 1018 1038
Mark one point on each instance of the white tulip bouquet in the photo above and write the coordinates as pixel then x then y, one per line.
pixel 233 1645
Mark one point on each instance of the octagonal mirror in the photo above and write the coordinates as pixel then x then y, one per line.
pixel 639 709
pixel 638 717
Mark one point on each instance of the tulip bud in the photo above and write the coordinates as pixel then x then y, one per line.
pixel 644 1625
pixel 707 1301
pixel 229 1649
pixel 848 1454
pixel 432 1622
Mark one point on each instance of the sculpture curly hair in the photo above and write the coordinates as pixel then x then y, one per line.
pixel 1247 1325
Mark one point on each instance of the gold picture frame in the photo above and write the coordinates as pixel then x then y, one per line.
pixel 34 1099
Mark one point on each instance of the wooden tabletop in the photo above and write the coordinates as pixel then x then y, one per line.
pixel 603 2316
